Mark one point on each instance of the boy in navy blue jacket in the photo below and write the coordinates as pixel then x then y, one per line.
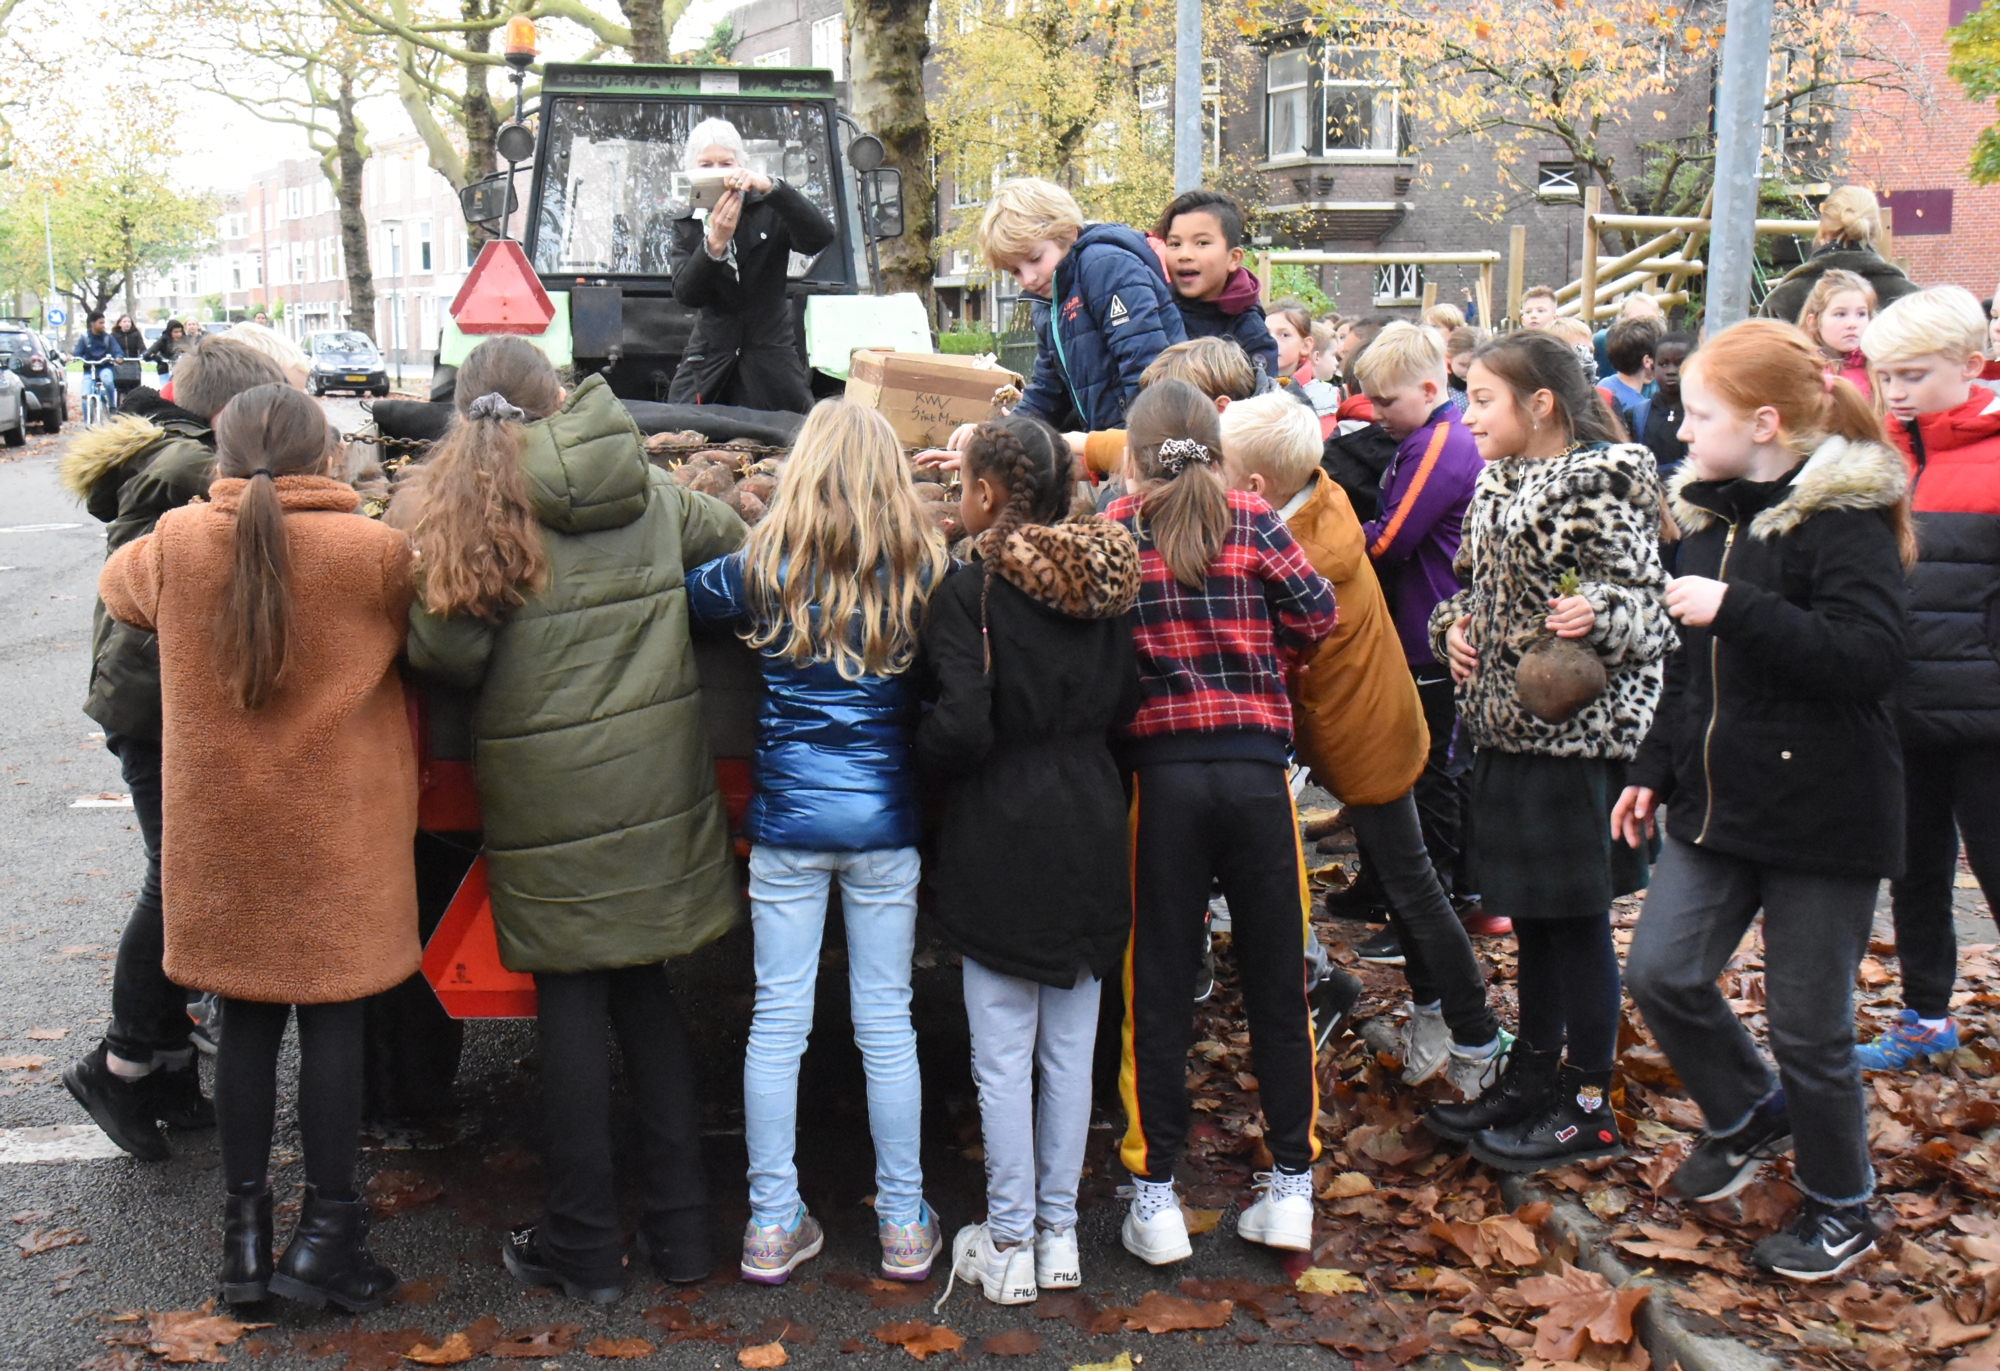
pixel 1105 309
pixel 1202 233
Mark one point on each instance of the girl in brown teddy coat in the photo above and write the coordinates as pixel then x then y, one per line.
pixel 288 811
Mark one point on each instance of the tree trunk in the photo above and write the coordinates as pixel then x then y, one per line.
pixel 343 167
pixel 479 120
pixel 887 46
pixel 647 20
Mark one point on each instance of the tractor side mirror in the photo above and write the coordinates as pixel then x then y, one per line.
pixel 489 201
pixel 885 203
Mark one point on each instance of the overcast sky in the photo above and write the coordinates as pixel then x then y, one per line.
pixel 223 147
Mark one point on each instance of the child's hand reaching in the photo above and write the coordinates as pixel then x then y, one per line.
pixel 1632 816
pixel 946 458
pixel 1461 656
pixel 1570 616
pixel 1695 600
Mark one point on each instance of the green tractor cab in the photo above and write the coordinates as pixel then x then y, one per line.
pixel 607 185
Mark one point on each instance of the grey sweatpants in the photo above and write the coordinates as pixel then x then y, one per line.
pixel 1034 1140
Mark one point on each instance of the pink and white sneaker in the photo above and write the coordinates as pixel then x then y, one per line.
pixel 908 1249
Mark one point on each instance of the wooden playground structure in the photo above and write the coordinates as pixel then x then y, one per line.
pixel 1668 256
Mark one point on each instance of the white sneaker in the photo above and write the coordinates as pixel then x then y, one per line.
pixel 1004 1277
pixel 1057 1265
pixel 1155 1231
pixel 1474 1072
pixel 1424 1044
pixel 1282 1217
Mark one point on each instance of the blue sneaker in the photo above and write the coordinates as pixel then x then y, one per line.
pixel 1907 1044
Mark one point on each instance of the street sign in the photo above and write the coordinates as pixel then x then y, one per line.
pixel 57 318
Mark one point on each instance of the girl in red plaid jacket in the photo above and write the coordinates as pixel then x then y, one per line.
pixel 1225 595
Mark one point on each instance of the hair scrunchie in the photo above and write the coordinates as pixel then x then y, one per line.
pixel 1176 453
pixel 494 405
pixel 261 471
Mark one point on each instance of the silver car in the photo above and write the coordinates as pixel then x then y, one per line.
pixel 13 409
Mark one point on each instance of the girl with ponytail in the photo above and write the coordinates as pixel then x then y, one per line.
pixel 288 815
pixel 1225 595
pixel 550 564
pixel 1776 754
pixel 1028 649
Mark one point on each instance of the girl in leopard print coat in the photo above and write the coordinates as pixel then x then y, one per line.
pixel 1561 494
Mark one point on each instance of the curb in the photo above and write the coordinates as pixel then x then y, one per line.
pixel 1660 1329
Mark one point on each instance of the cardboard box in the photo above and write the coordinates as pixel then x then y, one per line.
pixel 927 395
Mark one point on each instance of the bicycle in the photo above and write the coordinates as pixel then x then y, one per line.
pixel 100 391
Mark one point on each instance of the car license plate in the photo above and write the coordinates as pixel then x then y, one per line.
pixel 358 379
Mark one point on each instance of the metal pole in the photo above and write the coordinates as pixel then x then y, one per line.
pixel 1187 95
pixel 48 245
pixel 1739 147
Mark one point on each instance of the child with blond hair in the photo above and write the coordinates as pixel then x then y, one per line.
pixel 1358 722
pixel 1836 314
pixel 1925 350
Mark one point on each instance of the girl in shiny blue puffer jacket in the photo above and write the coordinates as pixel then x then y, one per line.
pixel 831 589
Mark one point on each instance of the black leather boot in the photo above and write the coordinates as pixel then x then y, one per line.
pixel 246 1246
pixel 1575 1125
pixel 1521 1093
pixel 328 1262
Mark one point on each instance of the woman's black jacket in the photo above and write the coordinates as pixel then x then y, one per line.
pixel 1774 740
pixel 744 350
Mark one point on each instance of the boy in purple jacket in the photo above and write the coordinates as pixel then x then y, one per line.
pixel 1412 541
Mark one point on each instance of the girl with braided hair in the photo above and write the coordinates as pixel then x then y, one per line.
pixel 1029 653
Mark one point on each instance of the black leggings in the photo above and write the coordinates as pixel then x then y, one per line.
pixel 1569 981
pixel 246 1092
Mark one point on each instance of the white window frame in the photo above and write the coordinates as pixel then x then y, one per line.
pixel 776 57
pixel 302 262
pixel 1329 84
pixel 422 256
pixel 1399 283
pixel 1558 182
pixel 295 202
pixel 1296 93
pixel 829 45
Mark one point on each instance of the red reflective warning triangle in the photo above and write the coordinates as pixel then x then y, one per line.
pixel 501 293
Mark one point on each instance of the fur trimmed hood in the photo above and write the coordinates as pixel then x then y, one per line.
pixel 1840 474
pixel 97 451
pixel 1087 568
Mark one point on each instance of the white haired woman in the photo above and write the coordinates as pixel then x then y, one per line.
pixel 733 267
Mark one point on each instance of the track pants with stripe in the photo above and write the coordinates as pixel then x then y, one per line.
pixel 1193 822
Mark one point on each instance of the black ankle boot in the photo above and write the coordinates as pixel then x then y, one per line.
pixel 1575 1126
pixel 177 1098
pixel 122 1108
pixel 328 1262
pixel 246 1246
pixel 1520 1094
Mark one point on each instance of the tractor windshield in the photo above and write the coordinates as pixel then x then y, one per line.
pixel 612 185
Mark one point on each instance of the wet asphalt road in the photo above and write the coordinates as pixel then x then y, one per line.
pixel 150 1233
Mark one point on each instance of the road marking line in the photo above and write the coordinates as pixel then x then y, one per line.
pixel 38 528
pixel 102 802
pixel 60 1143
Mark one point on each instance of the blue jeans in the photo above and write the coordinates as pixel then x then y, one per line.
pixel 878 896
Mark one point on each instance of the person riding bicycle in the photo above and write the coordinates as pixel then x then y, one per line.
pixel 97 350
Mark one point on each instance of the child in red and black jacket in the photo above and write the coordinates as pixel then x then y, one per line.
pixel 1224 591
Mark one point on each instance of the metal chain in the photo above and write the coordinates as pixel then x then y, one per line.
pixel 413 446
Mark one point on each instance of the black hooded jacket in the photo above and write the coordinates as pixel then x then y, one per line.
pixel 1773 740
pixel 744 350
pixel 1030 871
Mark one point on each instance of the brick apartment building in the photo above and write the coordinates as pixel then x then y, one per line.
pixel 279 249
pixel 1947 230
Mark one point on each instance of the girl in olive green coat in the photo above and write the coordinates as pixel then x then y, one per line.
pixel 550 556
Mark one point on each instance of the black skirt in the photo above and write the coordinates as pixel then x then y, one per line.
pixel 1540 839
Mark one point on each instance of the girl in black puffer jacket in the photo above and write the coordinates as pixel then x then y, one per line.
pixel 1030 653
pixel 1774 751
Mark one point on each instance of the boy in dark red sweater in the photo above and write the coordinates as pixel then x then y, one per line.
pixel 1925 353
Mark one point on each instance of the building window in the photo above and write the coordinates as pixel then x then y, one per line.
pixel 421 249
pixel 1156 107
pixel 256 269
pixel 301 260
pixel 1286 88
pixel 295 198
pixel 1361 98
pixel 1398 283
pixel 776 57
pixel 1557 181
pixel 829 46
pixel 1915 213
pixel 966 189
pixel 270 215
pixel 392 249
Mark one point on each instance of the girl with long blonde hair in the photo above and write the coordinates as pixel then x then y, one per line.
pixel 831 589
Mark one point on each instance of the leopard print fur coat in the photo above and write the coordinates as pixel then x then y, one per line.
pixel 1594 510
pixel 1087 568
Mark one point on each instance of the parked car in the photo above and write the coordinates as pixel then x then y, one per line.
pixel 347 361
pixel 13 410
pixel 45 386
